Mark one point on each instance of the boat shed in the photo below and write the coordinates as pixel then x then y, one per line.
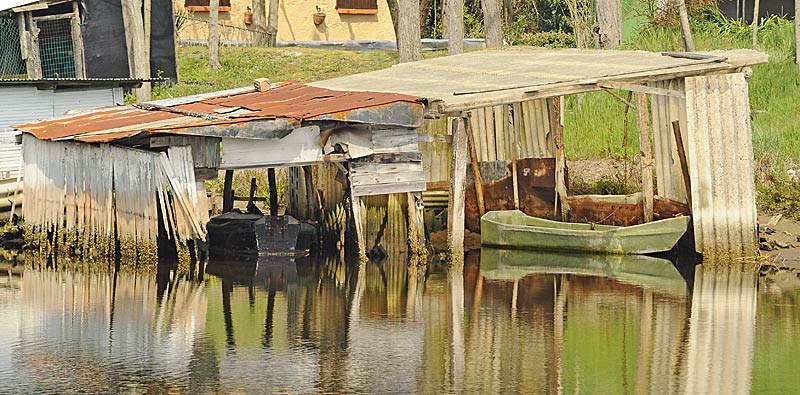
pixel 692 112
pixel 135 174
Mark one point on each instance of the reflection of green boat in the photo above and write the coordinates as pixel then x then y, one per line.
pixel 644 271
pixel 515 229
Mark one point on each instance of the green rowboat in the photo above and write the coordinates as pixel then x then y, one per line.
pixel 515 229
pixel 659 275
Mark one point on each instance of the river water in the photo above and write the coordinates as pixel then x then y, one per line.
pixel 507 322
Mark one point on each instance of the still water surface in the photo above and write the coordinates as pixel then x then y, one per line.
pixel 509 322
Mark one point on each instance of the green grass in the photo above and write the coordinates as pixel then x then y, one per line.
pixel 241 65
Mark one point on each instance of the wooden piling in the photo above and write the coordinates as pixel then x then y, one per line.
pixel 458 175
pixel 416 227
pixel 273 192
pixel 476 172
pixel 561 159
pixel 676 129
pixel 312 196
pixel 250 201
pixel 645 152
pixel 227 192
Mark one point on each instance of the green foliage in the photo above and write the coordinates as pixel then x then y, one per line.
pixel 543 39
pixel 241 183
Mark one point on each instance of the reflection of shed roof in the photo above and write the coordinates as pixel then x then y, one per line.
pixel 244 113
pixel 486 78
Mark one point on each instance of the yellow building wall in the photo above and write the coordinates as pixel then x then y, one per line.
pixel 295 22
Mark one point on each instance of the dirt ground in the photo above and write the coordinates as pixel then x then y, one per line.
pixel 779 241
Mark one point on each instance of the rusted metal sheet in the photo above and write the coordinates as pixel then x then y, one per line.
pixel 232 114
pixel 668 166
pixel 720 151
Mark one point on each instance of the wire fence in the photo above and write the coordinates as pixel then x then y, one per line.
pixel 11 62
pixel 55 48
pixel 194 31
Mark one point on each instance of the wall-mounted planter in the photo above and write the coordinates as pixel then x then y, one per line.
pixel 319 18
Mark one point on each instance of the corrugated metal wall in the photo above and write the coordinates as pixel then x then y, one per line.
pixel 720 153
pixel 26 103
pixel 668 166
pixel 494 134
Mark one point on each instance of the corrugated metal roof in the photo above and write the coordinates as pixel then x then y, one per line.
pixel 721 165
pixel 485 78
pixel 227 109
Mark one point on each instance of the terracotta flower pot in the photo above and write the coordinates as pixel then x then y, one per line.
pixel 319 18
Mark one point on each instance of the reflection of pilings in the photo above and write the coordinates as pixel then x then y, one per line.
pixel 227 289
pixel 560 291
pixel 455 281
pixel 721 336
pixel 645 343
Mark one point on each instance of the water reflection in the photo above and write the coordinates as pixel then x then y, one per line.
pixel 508 322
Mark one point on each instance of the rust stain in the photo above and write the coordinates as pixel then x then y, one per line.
pixel 292 102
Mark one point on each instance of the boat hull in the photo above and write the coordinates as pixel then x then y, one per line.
pixel 515 229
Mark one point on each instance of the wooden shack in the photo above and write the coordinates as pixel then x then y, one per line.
pixel 135 175
pixel 507 105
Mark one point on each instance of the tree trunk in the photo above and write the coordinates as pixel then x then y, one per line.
pixel 272 25
pixel 423 16
pixel 259 25
pixel 213 36
pixel 508 12
pixel 492 24
pixel 756 12
pixel 408 40
pixel 394 12
pixel 686 30
pixel 609 22
pixel 134 36
pixel 454 21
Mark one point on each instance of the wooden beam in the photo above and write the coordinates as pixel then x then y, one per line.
pixel 676 129
pixel 273 192
pixel 33 47
pixel 227 192
pixel 686 30
pixel 357 208
pixel 516 124
pixel 476 171
pixel 77 41
pixel 645 152
pixel 618 97
pixel 561 159
pixel 312 195
pixel 641 88
pixel 458 175
pixel 756 12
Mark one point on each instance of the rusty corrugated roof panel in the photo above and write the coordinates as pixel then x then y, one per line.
pixel 291 102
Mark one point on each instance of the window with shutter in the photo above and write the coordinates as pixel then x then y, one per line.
pixel 204 5
pixel 357 6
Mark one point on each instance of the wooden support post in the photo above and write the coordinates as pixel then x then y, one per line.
pixel 686 30
pixel 357 208
pixel 476 171
pixel 516 124
pixel 312 196
pixel 561 158
pixel 416 227
pixel 251 205
pixel 33 47
pixel 676 128
pixel 77 41
pixel 227 192
pixel 756 11
pixel 273 192
pixel 458 175
pixel 645 152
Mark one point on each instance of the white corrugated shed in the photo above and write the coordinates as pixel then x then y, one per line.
pixel 721 166
pixel 26 103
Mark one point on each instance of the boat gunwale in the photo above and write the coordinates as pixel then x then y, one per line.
pixel 586 232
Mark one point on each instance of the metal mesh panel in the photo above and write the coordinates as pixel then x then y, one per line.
pixel 11 63
pixel 55 48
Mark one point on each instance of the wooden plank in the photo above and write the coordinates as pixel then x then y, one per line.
pixel 357 208
pixel 676 128
pixel 516 121
pixel 488 132
pixel 498 131
pixel 645 152
pixel 561 159
pixel 455 218
pixel 641 88
pixel 33 47
pixel 476 172
pixel 387 189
